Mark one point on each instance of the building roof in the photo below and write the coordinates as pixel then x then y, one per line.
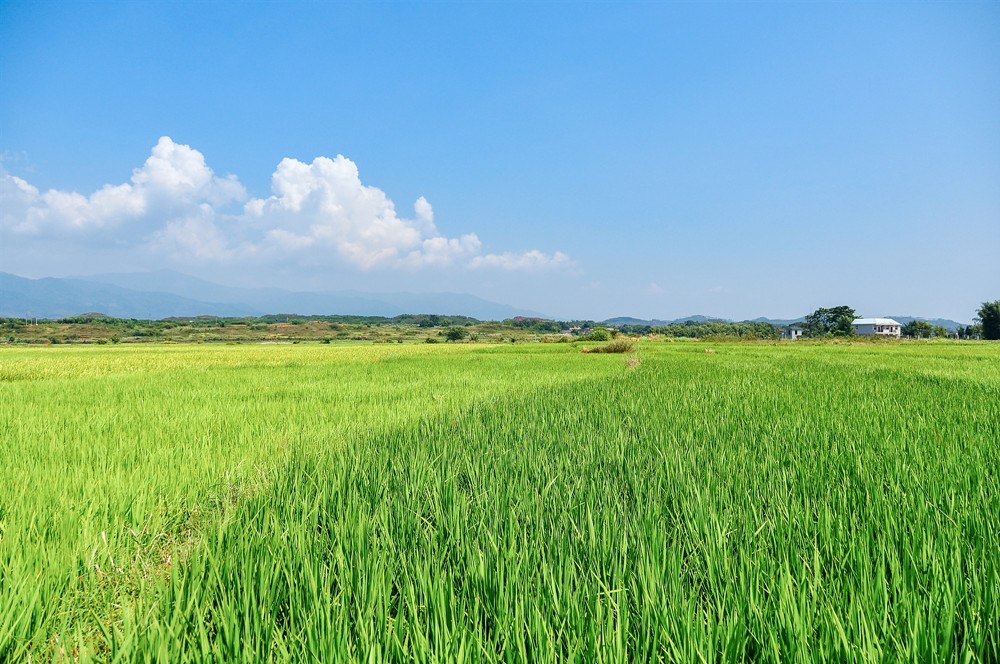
pixel 875 321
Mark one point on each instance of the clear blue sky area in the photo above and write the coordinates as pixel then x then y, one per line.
pixel 653 159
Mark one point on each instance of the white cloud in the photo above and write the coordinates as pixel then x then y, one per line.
pixel 444 251
pixel 324 206
pixel 194 236
pixel 527 260
pixel 16 199
pixel 178 173
pixel 317 213
pixel 173 180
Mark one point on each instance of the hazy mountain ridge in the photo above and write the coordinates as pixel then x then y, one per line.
pixel 52 297
pixel 629 320
pixel 946 323
pixel 164 294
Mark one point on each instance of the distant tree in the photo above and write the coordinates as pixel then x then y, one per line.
pixel 941 331
pixel 970 331
pixel 989 316
pixel 700 330
pixel 918 329
pixel 835 320
pixel 456 334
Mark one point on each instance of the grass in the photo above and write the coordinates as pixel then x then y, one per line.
pixel 519 503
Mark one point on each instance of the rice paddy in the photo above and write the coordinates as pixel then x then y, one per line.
pixel 519 503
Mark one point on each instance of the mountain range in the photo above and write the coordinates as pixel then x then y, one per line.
pixel 628 320
pixel 946 323
pixel 165 294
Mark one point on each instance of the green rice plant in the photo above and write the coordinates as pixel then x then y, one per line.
pixel 500 503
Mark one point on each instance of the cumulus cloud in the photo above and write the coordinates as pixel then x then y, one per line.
pixel 325 206
pixel 174 179
pixel 317 212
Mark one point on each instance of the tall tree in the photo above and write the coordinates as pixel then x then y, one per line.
pixel 835 320
pixel 989 316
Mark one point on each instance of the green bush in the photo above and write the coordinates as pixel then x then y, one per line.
pixel 456 334
pixel 617 346
pixel 598 334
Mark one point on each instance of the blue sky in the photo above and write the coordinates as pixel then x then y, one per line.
pixel 653 159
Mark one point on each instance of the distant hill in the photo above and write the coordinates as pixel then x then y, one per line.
pixel 780 322
pixel 628 320
pixel 697 318
pixel 164 294
pixel 946 323
pixel 61 298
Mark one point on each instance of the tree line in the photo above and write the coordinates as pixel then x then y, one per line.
pixel 837 322
pixel 824 322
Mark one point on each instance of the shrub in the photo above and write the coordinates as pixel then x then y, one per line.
pixel 455 334
pixel 598 334
pixel 616 346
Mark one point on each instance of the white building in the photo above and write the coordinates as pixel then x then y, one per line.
pixel 885 327
pixel 792 332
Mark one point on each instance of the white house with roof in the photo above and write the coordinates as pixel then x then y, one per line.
pixel 792 332
pixel 885 327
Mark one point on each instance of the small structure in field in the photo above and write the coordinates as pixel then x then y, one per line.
pixel 885 327
pixel 792 332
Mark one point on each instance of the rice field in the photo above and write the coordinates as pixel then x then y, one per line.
pixel 519 503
